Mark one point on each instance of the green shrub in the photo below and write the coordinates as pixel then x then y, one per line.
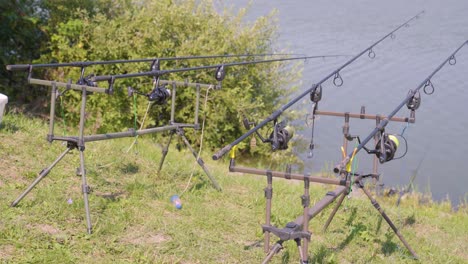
pixel 149 29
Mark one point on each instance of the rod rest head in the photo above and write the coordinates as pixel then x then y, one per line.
pixel 290 232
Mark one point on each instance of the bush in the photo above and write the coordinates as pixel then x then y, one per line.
pixel 148 29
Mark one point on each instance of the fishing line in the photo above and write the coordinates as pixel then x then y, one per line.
pixel 135 121
pixel 201 139
pixel 64 123
pixel 405 140
pixel 141 126
pixel 354 166
pixel 402 171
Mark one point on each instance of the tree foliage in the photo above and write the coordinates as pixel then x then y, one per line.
pixel 148 29
pixel 21 36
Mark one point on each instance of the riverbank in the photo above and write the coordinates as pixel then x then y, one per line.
pixel 135 222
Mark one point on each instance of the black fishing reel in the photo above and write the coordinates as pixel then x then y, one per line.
pixel 385 148
pixel 87 81
pixel 159 95
pixel 280 136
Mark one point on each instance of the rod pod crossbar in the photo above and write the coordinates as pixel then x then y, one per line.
pixel 278 112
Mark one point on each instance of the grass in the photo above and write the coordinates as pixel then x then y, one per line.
pixel 134 221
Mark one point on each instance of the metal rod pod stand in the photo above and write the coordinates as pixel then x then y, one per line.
pixel 297 230
pixel 73 142
pixel 78 143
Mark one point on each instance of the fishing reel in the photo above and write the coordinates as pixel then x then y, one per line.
pixel 280 136
pixel 159 95
pixel 385 148
pixel 87 81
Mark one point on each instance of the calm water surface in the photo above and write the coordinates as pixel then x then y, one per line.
pixel 439 136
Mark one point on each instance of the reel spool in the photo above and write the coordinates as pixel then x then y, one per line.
pixel 386 147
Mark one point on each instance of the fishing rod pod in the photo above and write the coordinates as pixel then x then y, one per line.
pixel 337 80
pixel 410 97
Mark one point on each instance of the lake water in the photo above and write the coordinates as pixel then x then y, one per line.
pixel 439 138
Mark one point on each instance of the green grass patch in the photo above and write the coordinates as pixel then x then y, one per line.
pixel 134 221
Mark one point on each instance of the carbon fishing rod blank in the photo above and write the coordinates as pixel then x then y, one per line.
pixel 218 67
pixel 83 64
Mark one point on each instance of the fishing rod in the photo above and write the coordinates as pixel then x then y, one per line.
pixel 220 73
pixel 337 81
pixel 412 101
pixel 81 64
pixel 160 94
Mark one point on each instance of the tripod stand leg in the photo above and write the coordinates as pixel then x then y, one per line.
pixel 164 152
pixel 274 250
pixel 42 174
pixel 330 218
pixel 85 189
pixel 81 148
pixel 390 223
pixel 268 196
pixel 180 132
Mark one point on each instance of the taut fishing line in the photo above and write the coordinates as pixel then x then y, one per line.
pixel 201 139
